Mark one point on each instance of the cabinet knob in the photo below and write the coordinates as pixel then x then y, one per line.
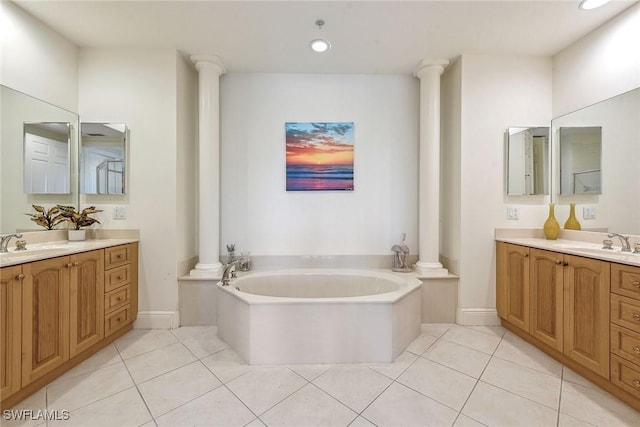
pixel 119 256
pixel 120 299
pixel 525 255
pixel 20 276
pixel 564 264
pixel 636 316
pixel 636 350
pixel 558 262
pixel 69 265
pixel 636 283
pixel 636 383
pixel 75 264
pixel 118 319
pixel 119 277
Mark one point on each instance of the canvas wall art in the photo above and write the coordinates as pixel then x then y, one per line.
pixel 319 156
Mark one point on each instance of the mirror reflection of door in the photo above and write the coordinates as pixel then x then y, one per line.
pixel 46 158
pixel 527 161
pixel 102 158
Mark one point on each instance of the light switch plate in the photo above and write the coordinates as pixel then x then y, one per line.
pixel 589 213
pixel 512 213
pixel 119 212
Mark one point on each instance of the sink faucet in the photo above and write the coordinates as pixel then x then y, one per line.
pixel 4 241
pixel 624 241
pixel 226 272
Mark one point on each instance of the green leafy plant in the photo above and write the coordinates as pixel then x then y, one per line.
pixel 46 218
pixel 78 220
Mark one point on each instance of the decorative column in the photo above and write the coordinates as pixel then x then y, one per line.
pixel 210 69
pixel 429 72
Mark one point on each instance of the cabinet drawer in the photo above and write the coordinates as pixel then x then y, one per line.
pixel 625 312
pixel 625 280
pixel 117 277
pixel 626 344
pixel 118 298
pixel 117 320
pixel 625 375
pixel 116 256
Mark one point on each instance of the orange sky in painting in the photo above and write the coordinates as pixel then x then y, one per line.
pixel 319 143
pixel 320 156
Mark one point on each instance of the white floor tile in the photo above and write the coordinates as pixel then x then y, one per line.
pixel 421 344
pixel 312 371
pixel 355 386
pixel 201 340
pixel 596 407
pixel 105 357
pixel 263 387
pixel 226 365
pixel 187 332
pixel 524 382
pixel 458 357
pixel 438 382
pixel 215 408
pixel 496 407
pixel 476 340
pixel 361 422
pixel 36 402
pixel 140 341
pixel 400 406
pixel 177 387
pixel 395 369
pixel 125 409
pixel 309 406
pixel 573 377
pixel 88 388
pixel 157 362
pixel 255 423
pixel 496 330
pixel 515 349
pixel 464 421
pixel 565 420
pixel 435 329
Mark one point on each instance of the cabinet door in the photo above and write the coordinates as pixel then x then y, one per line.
pixel 515 273
pixel 45 317
pixel 546 297
pixel 10 329
pixel 86 301
pixel 586 312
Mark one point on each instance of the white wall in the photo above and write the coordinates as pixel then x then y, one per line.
pixel 37 60
pixel 260 216
pixel 602 64
pixel 139 88
pixel 496 93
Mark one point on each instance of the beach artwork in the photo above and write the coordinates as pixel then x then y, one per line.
pixel 319 156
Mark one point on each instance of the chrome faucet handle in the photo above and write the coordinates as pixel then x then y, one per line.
pixel 21 245
pixel 607 244
pixel 4 241
pixel 624 241
pixel 636 248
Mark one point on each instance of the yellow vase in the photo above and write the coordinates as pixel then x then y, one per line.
pixel 572 222
pixel 551 225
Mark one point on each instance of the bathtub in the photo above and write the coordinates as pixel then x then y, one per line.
pixel 319 315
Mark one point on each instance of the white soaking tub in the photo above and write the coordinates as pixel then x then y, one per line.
pixel 320 315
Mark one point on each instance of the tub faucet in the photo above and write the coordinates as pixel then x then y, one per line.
pixel 226 272
pixel 4 241
pixel 624 241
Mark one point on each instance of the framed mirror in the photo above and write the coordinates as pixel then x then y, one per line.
pixel 528 151
pixel 103 158
pixel 16 110
pixel 580 160
pixel 47 158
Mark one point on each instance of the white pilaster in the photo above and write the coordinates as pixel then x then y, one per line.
pixel 429 72
pixel 210 69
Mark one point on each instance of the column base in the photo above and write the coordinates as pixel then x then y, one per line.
pixel 209 271
pixel 430 269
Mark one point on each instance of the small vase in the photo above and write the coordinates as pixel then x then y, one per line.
pixel 572 222
pixel 551 225
pixel 77 235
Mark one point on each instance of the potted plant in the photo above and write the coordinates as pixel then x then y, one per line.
pixel 78 220
pixel 46 218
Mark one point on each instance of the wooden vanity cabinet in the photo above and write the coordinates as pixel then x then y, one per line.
pixel 53 316
pixel 547 297
pixel 513 284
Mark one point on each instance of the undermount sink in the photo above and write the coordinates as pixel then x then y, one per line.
pixel 593 249
pixel 37 250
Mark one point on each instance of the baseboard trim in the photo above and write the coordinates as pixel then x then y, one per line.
pixel 477 316
pixel 157 320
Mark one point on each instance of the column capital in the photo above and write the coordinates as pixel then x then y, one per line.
pixel 429 64
pixel 210 61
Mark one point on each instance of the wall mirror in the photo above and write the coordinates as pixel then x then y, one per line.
pixel 617 122
pixel 528 153
pixel 16 110
pixel 103 158
pixel 47 158
pixel 580 160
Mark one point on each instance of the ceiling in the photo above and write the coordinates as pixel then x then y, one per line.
pixel 388 37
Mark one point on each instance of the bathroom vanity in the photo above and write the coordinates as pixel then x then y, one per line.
pixel 60 303
pixel 578 303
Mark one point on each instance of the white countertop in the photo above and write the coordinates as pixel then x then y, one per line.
pixel 46 250
pixel 575 247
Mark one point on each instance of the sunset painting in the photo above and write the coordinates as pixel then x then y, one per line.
pixel 319 156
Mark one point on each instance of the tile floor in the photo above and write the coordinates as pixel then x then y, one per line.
pixel 449 376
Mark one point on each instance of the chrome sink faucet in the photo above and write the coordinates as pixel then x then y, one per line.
pixel 226 272
pixel 624 241
pixel 4 241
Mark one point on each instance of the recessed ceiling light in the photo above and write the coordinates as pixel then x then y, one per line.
pixel 592 4
pixel 320 45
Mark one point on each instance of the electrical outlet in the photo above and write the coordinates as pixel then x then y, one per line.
pixel 588 213
pixel 119 212
pixel 512 213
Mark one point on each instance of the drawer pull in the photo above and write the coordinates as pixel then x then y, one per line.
pixel 636 350
pixel 119 256
pixel 20 277
pixel 558 262
pixel 636 383
pixel 69 265
pixel 120 299
pixel 119 277
pixel 118 319
pixel 636 316
pixel 525 255
pixel 636 283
